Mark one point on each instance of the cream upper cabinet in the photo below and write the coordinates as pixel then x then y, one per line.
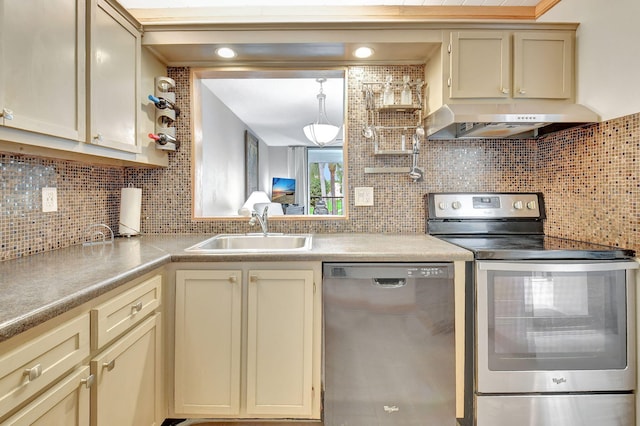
pixel 543 65
pixel 42 51
pixel 480 64
pixel 114 79
pixel 511 65
pixel 267 368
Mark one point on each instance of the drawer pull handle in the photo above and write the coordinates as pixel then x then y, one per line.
pixel 136 308
pixel 88 382
pixel 33 372
pixel 109 365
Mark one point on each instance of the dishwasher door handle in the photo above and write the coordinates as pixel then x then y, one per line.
pixel 389 282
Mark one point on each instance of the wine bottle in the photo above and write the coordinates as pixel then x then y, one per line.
pixel 162 103
pixel 163 138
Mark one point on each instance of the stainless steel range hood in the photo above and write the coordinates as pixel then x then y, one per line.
pixel 506 121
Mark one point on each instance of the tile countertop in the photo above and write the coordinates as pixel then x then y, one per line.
pixel 36 288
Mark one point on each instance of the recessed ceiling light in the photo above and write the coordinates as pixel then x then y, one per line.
pixel 226 52
pixel 363 52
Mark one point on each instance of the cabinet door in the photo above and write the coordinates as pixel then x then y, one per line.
pixel 480 64
pixel 67 403
pixel 543 65
pixel 42 57
pixel 127 391
pixel 280 342
pixel 114 79
pixel 208 342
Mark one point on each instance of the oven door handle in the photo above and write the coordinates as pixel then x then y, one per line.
pixel 557 266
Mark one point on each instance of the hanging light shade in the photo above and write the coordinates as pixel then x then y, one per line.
pixel 321 132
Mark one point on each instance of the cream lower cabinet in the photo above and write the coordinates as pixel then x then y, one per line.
pixel 102 367
pixel 46 362
pixel 128 369
pixel 247 342
pixel 126 379
pixel 66 404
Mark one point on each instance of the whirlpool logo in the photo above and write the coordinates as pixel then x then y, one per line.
pixel 559 380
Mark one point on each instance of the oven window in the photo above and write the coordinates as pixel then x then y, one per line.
pixel 556 320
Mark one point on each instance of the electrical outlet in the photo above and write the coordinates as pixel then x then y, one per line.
pixel 49 199
pixel 363 196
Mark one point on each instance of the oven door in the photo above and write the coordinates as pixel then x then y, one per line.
pixel 555 326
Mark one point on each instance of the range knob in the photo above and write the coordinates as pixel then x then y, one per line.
pixel 456 205
pixel 442 205
pixel 531 205
pixel 518 205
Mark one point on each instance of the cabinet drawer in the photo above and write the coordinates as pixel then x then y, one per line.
pixel 124 311
pixel 34 365
pixel 66 403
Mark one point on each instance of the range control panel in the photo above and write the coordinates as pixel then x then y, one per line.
pixel 485 206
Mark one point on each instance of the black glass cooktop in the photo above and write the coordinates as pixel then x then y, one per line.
pixel 535 247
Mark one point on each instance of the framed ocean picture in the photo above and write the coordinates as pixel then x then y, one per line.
pixel 283 190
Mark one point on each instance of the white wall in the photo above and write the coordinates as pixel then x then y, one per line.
pixel 278 164
pixel 608 53
pixel 221 159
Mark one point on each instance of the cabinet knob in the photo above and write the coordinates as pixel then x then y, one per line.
pixel 136 308
pixel 504 91
pixel 7 114
pixel 88 382
pixel 98 138
pixel 522 92
pixel 253 278
pixel 109 365
pixel 233 279
pixel 33 372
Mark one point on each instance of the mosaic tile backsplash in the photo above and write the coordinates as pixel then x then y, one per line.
pixel 589 176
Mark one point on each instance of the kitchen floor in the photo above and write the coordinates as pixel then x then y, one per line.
pixel 200 422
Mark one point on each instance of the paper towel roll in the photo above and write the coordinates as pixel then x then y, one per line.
pixel 130 208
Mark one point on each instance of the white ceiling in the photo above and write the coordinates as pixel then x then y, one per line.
pixel 153 4
pixel 276 109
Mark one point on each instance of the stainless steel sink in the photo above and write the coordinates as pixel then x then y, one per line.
pixel 253 243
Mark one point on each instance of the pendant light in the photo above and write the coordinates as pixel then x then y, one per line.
pixel 321 132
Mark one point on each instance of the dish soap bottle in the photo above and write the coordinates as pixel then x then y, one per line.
pixel 388 97
pixel 405 95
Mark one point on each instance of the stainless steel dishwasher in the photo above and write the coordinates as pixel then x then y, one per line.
pixel 389 344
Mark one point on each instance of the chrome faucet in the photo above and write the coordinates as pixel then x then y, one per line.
pixel 263 219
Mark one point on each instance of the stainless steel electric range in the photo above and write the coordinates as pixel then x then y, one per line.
pixel 550 332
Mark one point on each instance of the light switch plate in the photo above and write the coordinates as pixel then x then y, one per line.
pixel 363 196
pixel 49 199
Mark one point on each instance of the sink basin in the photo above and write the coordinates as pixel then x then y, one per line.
pixel 253 243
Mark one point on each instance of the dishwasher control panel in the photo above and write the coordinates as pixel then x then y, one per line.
pixel 387 270
pixel 428 272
